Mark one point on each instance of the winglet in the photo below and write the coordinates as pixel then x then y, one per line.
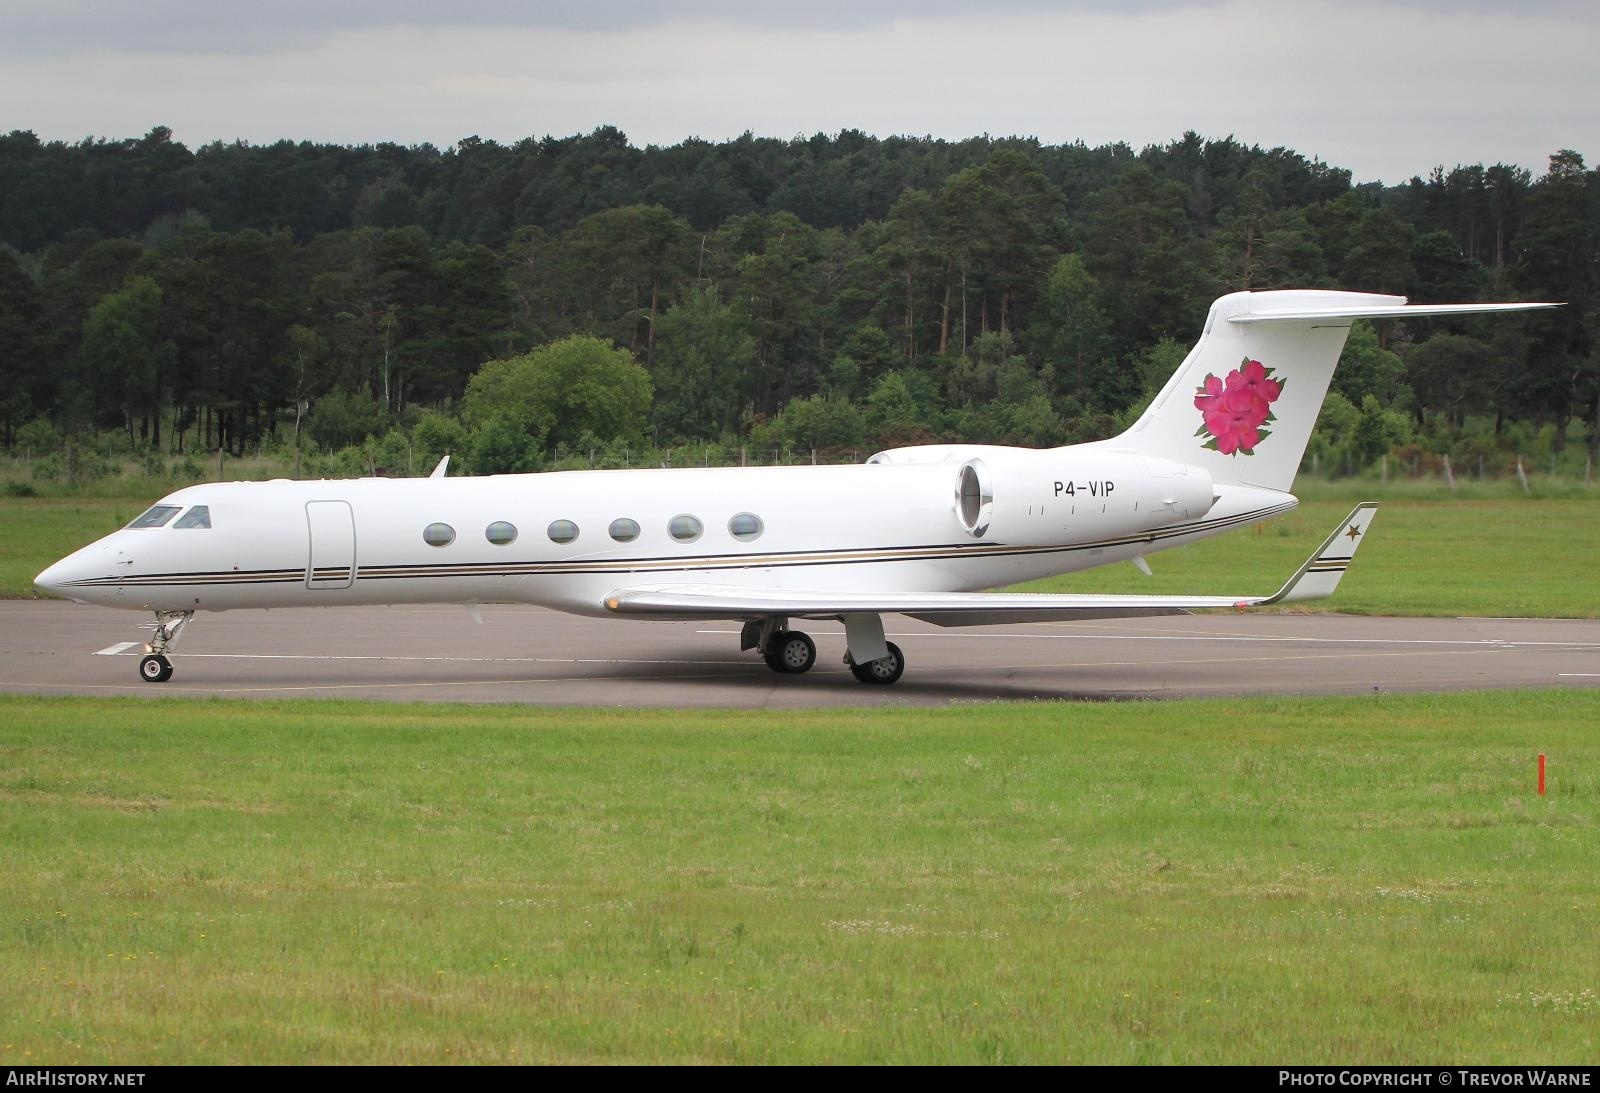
pixel 1320 574
pixel 444 466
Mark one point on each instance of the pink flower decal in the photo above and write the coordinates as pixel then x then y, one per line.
pixel 1236 409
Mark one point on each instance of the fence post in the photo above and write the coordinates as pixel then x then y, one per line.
pixel 1588 465
pixel 1383 467
pixel 1449 476
pixel 1522 476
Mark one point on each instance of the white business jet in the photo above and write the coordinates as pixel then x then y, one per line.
pixel 918 531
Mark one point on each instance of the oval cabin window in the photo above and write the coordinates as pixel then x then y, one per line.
pixel 500 533
pixel 624 530
pixel 685 529
pixel 563 531
pixel 438 535
pixel 746 527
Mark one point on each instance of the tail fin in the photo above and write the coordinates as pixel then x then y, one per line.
pixel 1243 403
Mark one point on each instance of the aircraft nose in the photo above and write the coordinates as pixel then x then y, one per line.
pixel 53 580
pixel 59 579
pixel 56 578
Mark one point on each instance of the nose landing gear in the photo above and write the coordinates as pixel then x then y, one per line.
pixel 154 667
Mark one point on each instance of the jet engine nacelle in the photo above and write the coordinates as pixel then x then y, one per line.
pixel 1024 497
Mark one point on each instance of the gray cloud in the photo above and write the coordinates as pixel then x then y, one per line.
pixel 229 26
pixel 1385 89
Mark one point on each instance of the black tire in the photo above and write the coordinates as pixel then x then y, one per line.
pixel 771 657
pixel 883 671
pixel 792 651
pixel 155 668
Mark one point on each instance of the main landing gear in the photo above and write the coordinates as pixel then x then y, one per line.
pixel 883 671
pixel 792 652
pixel 154 667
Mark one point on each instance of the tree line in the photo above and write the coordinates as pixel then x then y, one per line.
pixel 844 291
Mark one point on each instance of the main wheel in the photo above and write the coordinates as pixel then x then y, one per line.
pixel 155 668
pixel 884 670
pixel 791 651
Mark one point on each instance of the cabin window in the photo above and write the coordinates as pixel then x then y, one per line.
pixel 685 528
pixel 563 531
pixel 157 516
pixel 197 517
pixel 746 527
pixel 500 533
pixel 438 535
pixel 624 530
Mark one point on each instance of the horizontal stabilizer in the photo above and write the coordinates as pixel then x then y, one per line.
pixel 1318 577
pixel 1370 311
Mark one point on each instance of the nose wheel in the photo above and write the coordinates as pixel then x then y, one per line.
pixel 154 667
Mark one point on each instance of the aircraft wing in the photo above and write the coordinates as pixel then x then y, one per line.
pixel 1315 579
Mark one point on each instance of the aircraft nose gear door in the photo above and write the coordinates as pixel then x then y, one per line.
pixel 332 559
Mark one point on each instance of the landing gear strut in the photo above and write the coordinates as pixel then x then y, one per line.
pixel 154 667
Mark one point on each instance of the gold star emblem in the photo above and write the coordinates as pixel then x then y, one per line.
pixel 1353 532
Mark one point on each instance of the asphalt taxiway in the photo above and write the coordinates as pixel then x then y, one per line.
pixel 529 655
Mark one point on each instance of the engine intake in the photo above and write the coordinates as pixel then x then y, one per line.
pixel 975 498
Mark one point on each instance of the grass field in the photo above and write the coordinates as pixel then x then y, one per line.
pixel 36 531
pixel 1497 555
pixel 1425 557
pixel 1330 880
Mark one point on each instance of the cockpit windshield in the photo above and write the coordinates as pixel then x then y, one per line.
pixel 197 517
pixel 156 517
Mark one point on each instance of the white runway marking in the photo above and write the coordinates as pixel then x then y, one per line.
pixel 1492 643
pixel 121 650
pixel 117 649
pixel 1201 660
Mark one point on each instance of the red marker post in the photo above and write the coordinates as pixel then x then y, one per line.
pixel 1541 774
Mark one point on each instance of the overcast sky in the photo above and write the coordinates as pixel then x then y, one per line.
pixel 1386 88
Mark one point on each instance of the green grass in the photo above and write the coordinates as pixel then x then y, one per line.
pixel 1424 557
pixel 36 531
pixel 1500 555
pixel 1329 880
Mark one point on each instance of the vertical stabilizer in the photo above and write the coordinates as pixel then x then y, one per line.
pixel 1243 403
